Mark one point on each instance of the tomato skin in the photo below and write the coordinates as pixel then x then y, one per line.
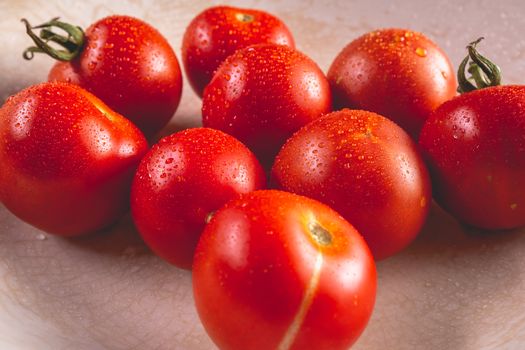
pixel 257 262
pixel 67 159
pixel 398 73
pixel 184 178
pixel 263 94
pixel 474 146
pixel 219 31
pixel 366 168
pixel 131 67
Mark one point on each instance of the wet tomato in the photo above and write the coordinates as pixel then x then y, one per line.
pixel 125 62
pixel 397 73
pixel 365 167
pixel 274 270
pixel 67 159
pixel 263 94
pixel 475 149
pixel 181 181
pixel 219 31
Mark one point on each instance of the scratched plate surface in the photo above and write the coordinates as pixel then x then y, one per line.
pixel 453 288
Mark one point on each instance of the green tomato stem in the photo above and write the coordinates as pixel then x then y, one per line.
pixel 72 44
pixel 483 72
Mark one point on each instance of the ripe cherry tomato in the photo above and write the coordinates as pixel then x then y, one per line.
pixel 475 148
pixel 184 179
pixel 219 31
pixel 263 94
pixel 123 61
pixel 366 168
pixel 274 270
pixel 397 73
pixel 67 159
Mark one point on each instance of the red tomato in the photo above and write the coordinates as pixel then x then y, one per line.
pixel 475 149
pixel 182 180
pixel 67 159
pixel 219 31
pixel 367 169
pixel 274 270
pixel 397 73
pixel 263 94
pixel 131 67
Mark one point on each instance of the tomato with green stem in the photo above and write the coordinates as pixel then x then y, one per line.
pixel 122 60
pixel 474 146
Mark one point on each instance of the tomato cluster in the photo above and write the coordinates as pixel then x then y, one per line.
pixel 291 267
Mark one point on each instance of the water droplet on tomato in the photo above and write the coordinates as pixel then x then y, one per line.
pixel 421 52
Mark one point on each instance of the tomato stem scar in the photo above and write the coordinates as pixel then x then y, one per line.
pixel 319 233
pixel 244 17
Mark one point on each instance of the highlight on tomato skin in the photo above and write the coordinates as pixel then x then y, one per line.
pixel 274 270
pixel 365 167
pixel 122 60
pixel 182 180
pixel 219 31
pixel 67 159
pixel 398 73
pixel 263 94
pixel 474 146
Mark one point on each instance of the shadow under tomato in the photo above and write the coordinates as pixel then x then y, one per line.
pixel 120 238
pixel 442 231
